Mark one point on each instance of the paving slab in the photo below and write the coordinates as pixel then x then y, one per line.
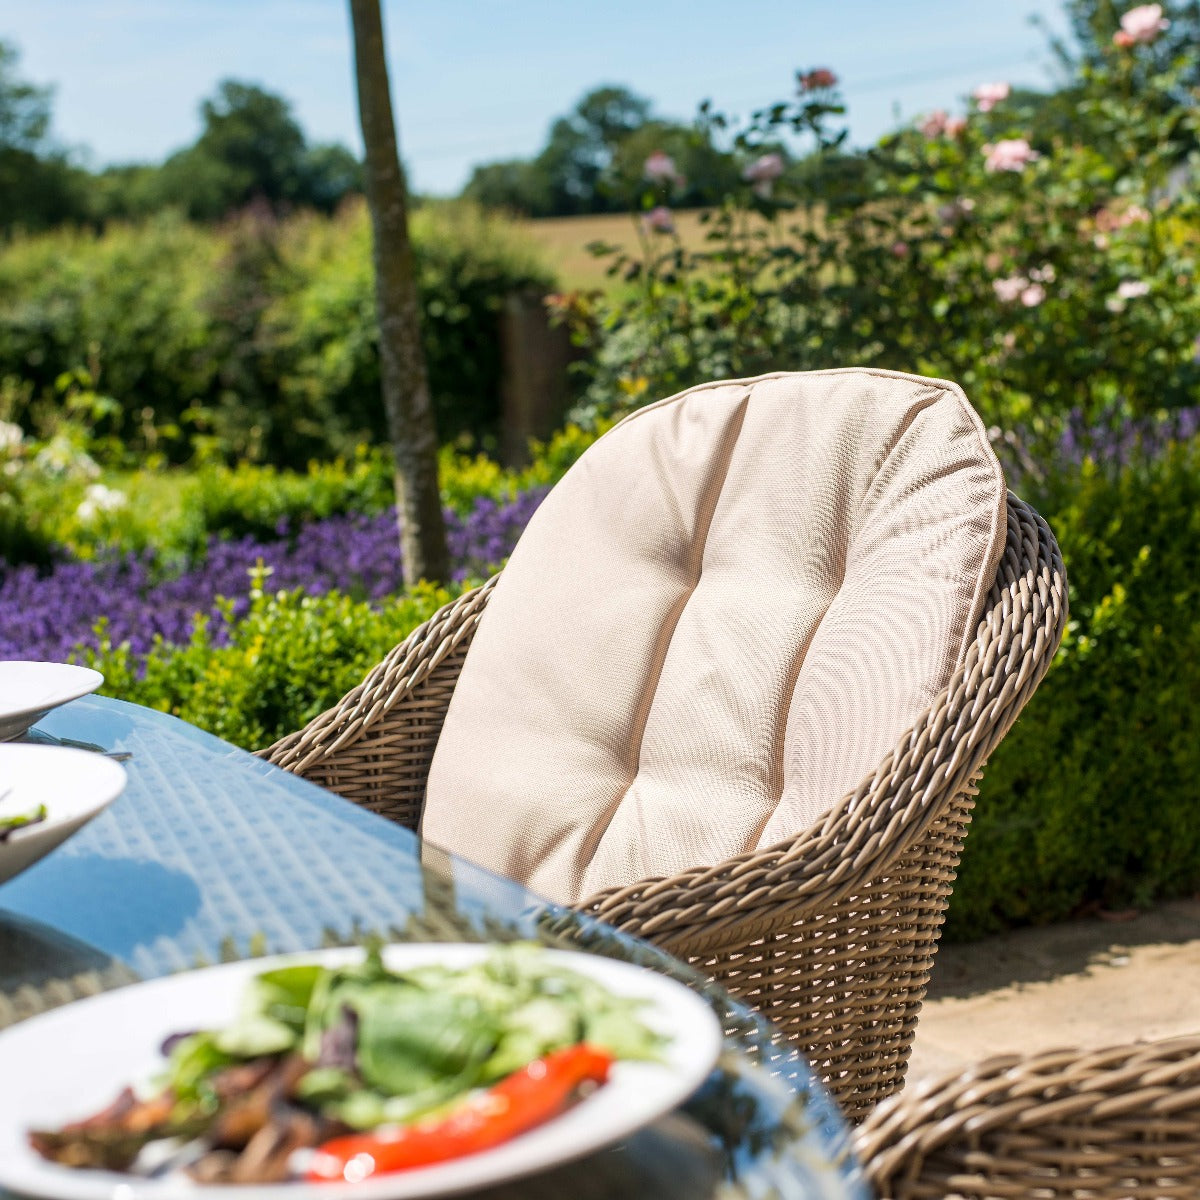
pixel 1094 982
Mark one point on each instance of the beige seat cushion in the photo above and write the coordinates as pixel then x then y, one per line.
pixel 716 625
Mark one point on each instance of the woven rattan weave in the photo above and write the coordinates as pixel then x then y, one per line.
pixel 1102 1124
pixel 831 934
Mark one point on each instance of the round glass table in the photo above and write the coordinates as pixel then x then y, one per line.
pixel 211 854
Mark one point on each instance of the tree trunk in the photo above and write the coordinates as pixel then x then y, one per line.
pixel 405 381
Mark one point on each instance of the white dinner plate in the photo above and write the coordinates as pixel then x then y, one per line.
pixel 74 785
pixel 69 1063
pixel 29 690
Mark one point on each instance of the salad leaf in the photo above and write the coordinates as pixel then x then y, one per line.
pixel 193 1060
pixel 273 1012
pixel 17 821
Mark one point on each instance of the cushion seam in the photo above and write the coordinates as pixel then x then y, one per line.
pixel 592 845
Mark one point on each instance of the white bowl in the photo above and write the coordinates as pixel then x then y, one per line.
pixel 74 785
pixel 29 690
pixel 68 1063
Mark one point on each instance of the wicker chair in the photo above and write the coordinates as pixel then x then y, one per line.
pixel 830 934
pixel 1105 1125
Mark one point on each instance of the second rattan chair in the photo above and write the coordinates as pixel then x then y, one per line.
pixel 1115 1124
pixel 830 933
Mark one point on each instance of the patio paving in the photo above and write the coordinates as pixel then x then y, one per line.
pixel 1091 983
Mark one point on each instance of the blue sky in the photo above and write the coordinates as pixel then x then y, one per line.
pixel 475 80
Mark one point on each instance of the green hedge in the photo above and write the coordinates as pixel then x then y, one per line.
pixel 1093 796
pixel 257 338
pixel 292 657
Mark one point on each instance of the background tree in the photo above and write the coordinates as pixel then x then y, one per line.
pixel 251 151
pixel 403 374
pixel 38 184
pixel 594 158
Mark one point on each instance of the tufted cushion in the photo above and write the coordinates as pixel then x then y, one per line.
pixel 716 625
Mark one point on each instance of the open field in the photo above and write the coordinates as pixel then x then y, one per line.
pixel 565 240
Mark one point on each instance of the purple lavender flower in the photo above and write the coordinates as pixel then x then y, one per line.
pixel 49 615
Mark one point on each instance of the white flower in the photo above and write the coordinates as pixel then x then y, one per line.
pixel 99 499
pixel 11 436
pixel 1131 289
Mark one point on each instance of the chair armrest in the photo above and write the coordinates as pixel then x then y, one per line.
pixel 375 745
pixel 1014 1124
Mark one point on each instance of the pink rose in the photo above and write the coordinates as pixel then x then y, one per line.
pixel 899 249
pixel 1008 154
pixel 659 220
pixel 762 173
pixel 660 168
pixel 765 168
pixel 816 79
pixel 1144 23
pixel 988 95
pixel 955 126
pixel 955 210
pixel 934 125
pixel 1008 290
pixel 1122 40
pixel 1033 295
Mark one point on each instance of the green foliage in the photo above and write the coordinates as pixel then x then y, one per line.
pixel 292 657
pixel 247 500
pixel 1091 798
pixel 128 304
pixel 466 477
pixel 259 338
pixel 467 263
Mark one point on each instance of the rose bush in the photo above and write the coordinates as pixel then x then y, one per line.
pixel 1041 250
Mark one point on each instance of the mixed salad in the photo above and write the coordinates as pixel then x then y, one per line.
pixel 338 1074
pixel 13 821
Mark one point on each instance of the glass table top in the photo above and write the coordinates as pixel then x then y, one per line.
pixel 211 854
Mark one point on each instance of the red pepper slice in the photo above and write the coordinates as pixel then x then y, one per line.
pixel 517 1103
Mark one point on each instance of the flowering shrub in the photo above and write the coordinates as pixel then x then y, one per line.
pixel 1040 250
pixel 136 600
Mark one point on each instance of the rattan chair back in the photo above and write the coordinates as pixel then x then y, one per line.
pixel 830 934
